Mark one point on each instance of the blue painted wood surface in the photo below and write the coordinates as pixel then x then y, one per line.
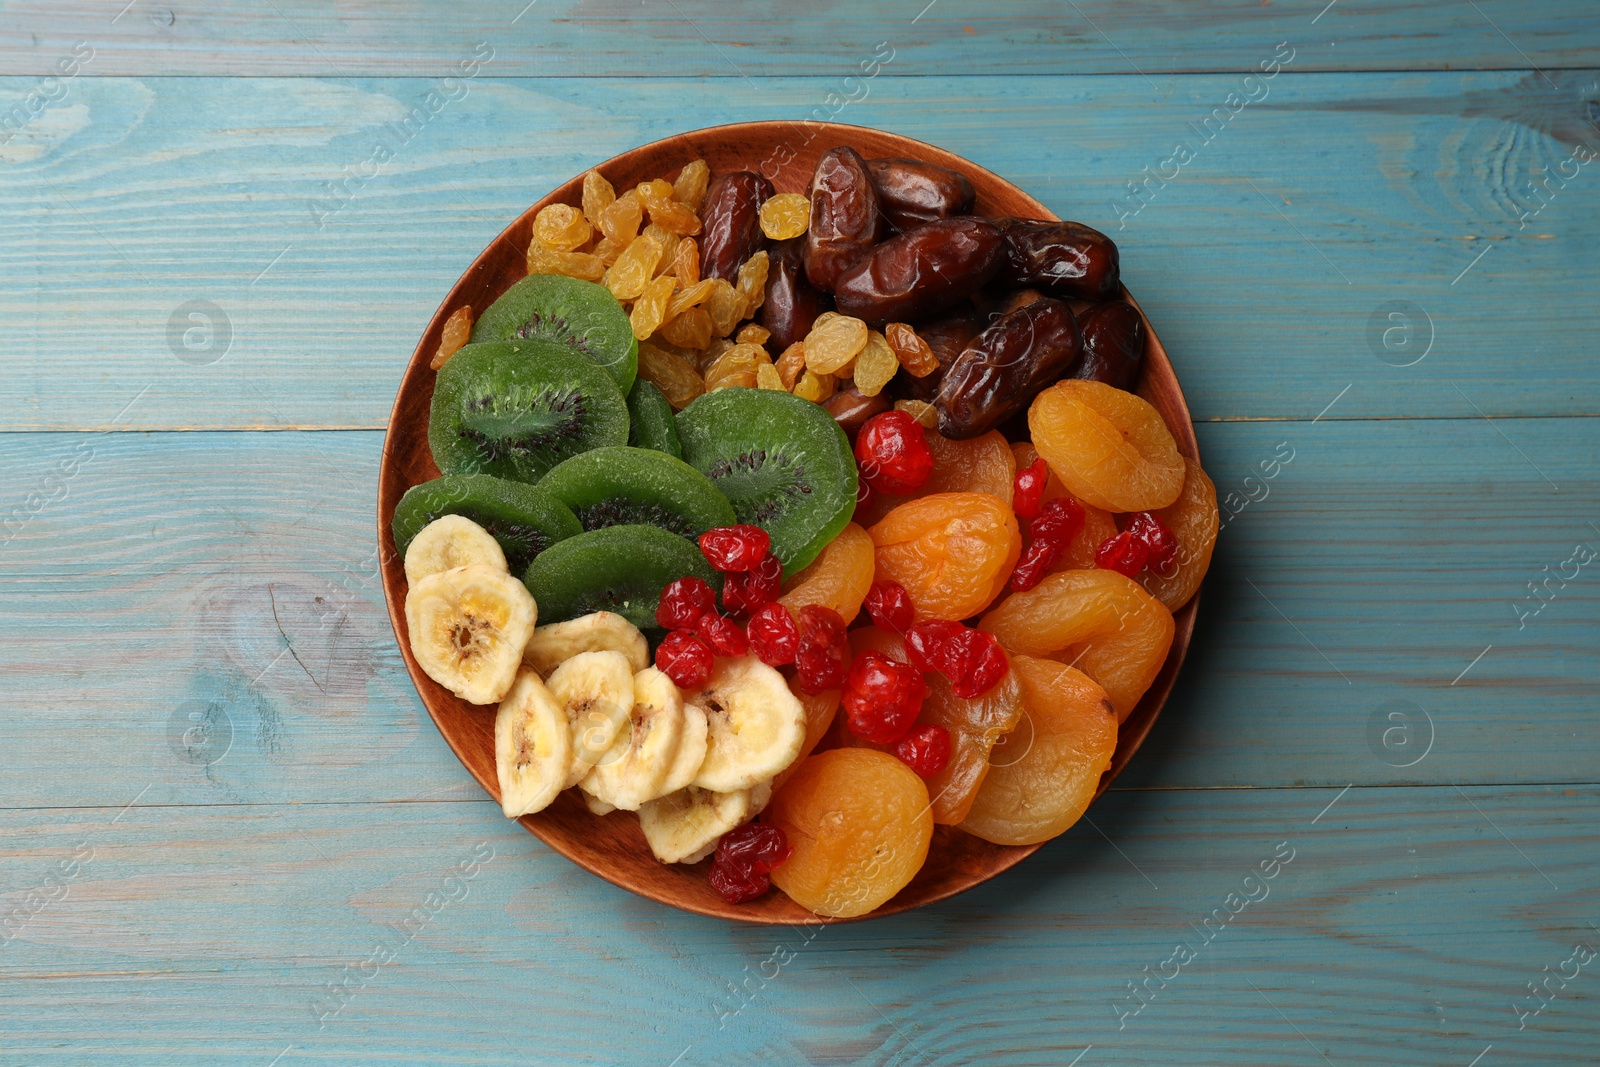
pixel 310 877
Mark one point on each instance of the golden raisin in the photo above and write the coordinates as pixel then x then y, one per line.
pixel 691 296
pixel 686 262
pixel 875 365
pixel 752 284
pixel 597 196
pixel 671 215
pixel 751 334
pixel 632 271
pixel 725 305
pixel 833 342
pixel 736 366
pixel 606 250
pixel 677 379
pixel 920 410
pixel 690 186
pixel 651 307
pixel 669 246
pixel 815 387
pixel 542 260
pixel 791 363
pixel 562 228
pixel 620 221
pixel 654 191
pixel 786 215
pixel 457 328
pixel 692 329
pixel 767 378
pixel 911 350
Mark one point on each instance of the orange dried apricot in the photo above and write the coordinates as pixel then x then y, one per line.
pixel 838 578
pixel 1097 620
pixel 860 826
pixel 1109 447
pixel 975 727
pixel 820 709
pixel 1041 791
pixel 1192 518
pixel 1097 525
pixel 980 465
pixel 952 552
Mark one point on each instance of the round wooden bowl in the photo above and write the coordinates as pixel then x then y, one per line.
pixel 613 847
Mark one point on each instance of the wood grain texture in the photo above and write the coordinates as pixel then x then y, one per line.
pixel 699 38
pixel 143 591
pixel 1401 931
pixel 1268 265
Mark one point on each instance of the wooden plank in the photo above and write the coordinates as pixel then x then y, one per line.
pixel 164 234
pixel 199 611
pixel 697 38
pixel 1402 930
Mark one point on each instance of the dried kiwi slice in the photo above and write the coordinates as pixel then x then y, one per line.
pixel 620 568
pixel 650 420
pixel 514 409
pixel 581 315
pixel 523 519
pixel 782 461
pixel 637 487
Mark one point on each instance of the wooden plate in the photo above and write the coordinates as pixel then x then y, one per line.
pixel 613 847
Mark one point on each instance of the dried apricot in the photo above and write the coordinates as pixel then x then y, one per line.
pixel 820 709
pixel 785 215
pixel 952 552
pixel 561 227
pixel 457 328
pixel 677 379
pixel 1193 519
pixel 838 578
pixel 1097 524
pixel 975 727
pixel 1109 447
pixel 1096 620
pixel 1044 789
pixel 860 827
pixel 980 465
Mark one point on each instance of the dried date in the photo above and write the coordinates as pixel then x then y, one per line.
pixel 1064 259
pixel 850 408
pixel 845 217
pixel 1003 368
pixel 922 271
pixel 946 337
pixel 731 223
pixel 1113 344
pixel 792 305
pixel 912 192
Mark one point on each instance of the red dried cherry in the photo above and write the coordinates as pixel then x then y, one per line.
pixel 882 697
pixel 774 637
pixel 1038 559
pixel 722 634
pixel 1123 553
pixel 750 591
pixel 925 750
pixel 735 548
pixel 684 658
pixel 818 669
pixel 980 663
pixel 737 886
pixel 757 847
pixel 928 644
pixel 683 602
pixel 890 606
pixel 1028 491
pixel 1058 520
pixel 820 626
pixel 1158 539
pixel 892 449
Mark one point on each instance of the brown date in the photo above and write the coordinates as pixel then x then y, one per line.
pixel 731 223
pixel 922 271
pixel 1003 368
pixel 946 337
pixel 792 305
pixel 850 408
pixel 1064 259
pixel 912 192
pixel 845 217
pixel 1113 344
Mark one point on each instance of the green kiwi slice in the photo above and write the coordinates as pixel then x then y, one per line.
pixel 782 461
pixel 525 520
pixel 514 409
pixel 650 420
pixel 618 568
pixel 581 315
pixel 637 487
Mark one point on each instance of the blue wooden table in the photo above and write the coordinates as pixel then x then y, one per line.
pixel 1368 235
